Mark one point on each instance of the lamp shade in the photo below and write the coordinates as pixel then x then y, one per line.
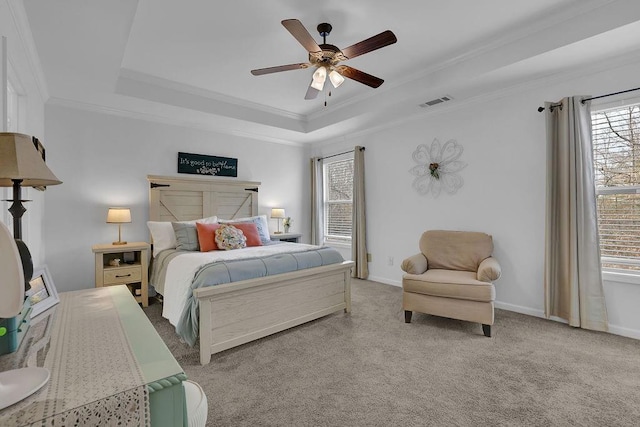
pixel 19 160
pixel 277 213
pixel 118 215
pixel 336 78
pixel 319 78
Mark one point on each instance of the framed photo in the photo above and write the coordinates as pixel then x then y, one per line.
pixel 43 293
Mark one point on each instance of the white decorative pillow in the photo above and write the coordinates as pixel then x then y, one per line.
pixel 260 221
pixel 228 237
pixel 163 236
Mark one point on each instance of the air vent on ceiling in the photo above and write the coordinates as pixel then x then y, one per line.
pixel 436 101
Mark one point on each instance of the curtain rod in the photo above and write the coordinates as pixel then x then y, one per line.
pixel 552 106
pixel 339 154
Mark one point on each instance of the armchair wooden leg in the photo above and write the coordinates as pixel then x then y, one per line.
pixel 486 329
pixel 407 316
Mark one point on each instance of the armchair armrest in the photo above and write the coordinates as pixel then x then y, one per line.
pixel 415 264
pixel 489 270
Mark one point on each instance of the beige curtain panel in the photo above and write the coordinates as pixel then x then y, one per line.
pixel 573 276
pixel 359 223
pixel 317 220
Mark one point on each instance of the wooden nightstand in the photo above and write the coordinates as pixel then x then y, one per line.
pixel 287 237
pixel 133 270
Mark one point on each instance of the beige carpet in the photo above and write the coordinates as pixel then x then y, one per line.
pixel 369 368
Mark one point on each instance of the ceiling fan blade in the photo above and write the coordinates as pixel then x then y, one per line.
pixel 312 92
pixel 269 70
pixel 383 39
pixel 359 76
pixel 301 34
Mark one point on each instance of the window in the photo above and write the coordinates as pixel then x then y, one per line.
pixel 12 126
pixel 338 198
pixel 616 155
pixel 12 109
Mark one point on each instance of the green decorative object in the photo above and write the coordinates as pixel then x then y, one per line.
pixel 287 224
pixel 433 167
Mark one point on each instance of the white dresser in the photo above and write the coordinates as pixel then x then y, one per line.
pixel 108 365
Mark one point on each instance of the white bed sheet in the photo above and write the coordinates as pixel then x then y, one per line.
pixel 183 268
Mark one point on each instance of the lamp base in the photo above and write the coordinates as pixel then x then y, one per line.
pixel 119 243
pixel 18 384
pixel 277 232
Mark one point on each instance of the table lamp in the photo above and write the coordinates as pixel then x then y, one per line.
pixel 21 165
pixel 278 213
pixel 119 216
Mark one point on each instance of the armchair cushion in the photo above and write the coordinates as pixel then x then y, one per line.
pixel 455 250
pixel 489 270
pixel 415 264
pixel 449 284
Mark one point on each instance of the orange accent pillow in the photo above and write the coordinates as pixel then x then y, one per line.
pixel 250 231
pixel 207 236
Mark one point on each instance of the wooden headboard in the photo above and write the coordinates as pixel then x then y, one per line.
pixel 183 199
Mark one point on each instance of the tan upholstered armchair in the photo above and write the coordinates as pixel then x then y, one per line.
pixel 451 277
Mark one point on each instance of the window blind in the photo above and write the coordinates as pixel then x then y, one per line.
pixel 338 199
pixel 616 156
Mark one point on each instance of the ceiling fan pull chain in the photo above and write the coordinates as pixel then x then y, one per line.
pixel 325 98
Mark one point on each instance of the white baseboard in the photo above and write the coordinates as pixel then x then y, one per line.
pixel 520 309
pixel 625 332
pixel 386 281
pixel 613 329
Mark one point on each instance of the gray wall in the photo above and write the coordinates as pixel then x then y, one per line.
pixel 503 194
pixel 104 161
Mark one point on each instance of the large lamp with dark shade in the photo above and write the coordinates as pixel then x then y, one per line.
pixel 21 165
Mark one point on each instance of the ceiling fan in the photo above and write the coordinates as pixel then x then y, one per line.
pixel 325 57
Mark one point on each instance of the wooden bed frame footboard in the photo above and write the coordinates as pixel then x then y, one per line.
pixel 236 313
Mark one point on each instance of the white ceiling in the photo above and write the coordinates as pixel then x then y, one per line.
pixel 189 61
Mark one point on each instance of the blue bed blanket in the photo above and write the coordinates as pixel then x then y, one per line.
pixel 221 272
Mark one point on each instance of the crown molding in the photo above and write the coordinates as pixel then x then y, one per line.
pixel 167 120
pixel 214 96
pixel 479 48
pixel 21 23
pixel 628 58
pixel 491 95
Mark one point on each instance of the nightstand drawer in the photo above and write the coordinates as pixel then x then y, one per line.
pixel 113 276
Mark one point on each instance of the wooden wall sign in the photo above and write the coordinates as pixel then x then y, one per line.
pixel 200 164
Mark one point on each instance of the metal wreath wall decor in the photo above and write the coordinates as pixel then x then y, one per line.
pixel 437 168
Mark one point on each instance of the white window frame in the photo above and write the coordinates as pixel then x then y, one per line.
pixel 609 273
pixel 13 108
pixel 334 240
pixel 16 117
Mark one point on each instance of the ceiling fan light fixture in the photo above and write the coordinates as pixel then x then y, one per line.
pixel 317 85
pixel 320 74
pixel 336 78
pixel 319 78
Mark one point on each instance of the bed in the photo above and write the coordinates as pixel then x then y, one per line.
pixel 235 313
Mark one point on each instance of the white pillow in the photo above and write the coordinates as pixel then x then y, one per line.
pixel 163 236
pixel 260 221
